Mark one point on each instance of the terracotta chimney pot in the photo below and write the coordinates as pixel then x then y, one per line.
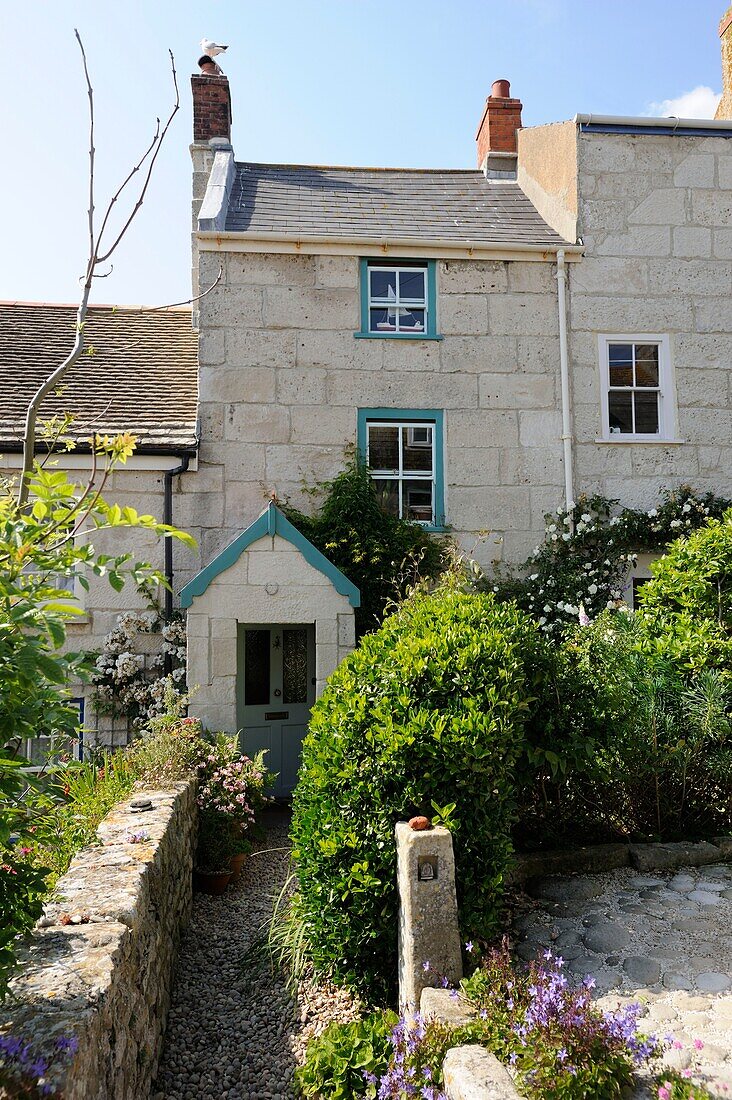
pixel 501 119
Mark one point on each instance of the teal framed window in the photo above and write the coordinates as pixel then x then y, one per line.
pixel 404 451
pixel 398 299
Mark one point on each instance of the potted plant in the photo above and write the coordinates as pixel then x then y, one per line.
pixel 242 848
pixel 212 866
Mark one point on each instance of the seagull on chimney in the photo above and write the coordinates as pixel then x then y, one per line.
pixel 213 49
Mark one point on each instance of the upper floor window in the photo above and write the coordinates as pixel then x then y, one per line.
pixel 398 299
pixel 637 388
pixel 403 450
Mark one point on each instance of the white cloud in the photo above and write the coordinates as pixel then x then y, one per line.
pixel 701 102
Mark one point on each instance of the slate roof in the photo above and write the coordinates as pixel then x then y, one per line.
pixel 143 377
pixel 420 204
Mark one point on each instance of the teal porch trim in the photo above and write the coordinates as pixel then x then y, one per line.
pixel 271 522
pixel 431 331
pixel 433 416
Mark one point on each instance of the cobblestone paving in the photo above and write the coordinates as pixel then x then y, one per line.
pixel 234 1030
pixel 662 939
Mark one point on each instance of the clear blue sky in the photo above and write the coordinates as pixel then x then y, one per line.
pixel 313 81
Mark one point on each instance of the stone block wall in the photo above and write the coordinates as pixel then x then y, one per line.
pixel 100 963
pixel 655 214
pixel 282 378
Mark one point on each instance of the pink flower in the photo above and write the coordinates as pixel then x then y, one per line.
pixel 664 1092
pixel 698 1044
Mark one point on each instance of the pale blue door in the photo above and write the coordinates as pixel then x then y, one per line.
pixel 275 691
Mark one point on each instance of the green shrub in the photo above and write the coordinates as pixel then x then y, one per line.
pixel 429 709
pixel 687 606
pixel 336 1061
pixel 381 554
pixel 660 759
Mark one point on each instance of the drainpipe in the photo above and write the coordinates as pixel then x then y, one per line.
pixel 168 476
pixel 564 374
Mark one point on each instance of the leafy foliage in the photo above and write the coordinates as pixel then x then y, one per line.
pixel 429 707
pixel 22 884
pixel 44 546
pixel 83 794
pixel 43 549
pixel 338 1061
pixel 381 554
pixel 588 552
pixel 659 756
pixel 687 606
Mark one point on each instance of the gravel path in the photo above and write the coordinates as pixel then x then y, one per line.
pixel 233 1030
pixel 663 939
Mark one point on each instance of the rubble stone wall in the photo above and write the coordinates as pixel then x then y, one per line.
pixel 99 965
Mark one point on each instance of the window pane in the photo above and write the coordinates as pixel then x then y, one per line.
pixel 295 665
pixel 417 500
pixel 417 447
pixel 383 282
pixel 646 353
pixel 621 376
pixel 387 493
pixel 256 668
pixel 411 285
pixel 381 321
pixel 411 320
pixel 620 353
pixel 646 373
pixel 646 413
pixel 383 448
pixel 620 412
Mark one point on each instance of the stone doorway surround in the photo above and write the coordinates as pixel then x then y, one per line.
pixel 270 573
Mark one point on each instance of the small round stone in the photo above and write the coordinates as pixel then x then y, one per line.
pixel 713 982
pixel 642 970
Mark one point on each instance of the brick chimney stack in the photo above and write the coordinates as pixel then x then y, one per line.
pixel 724 110
pixel 497 131
pixel 211 108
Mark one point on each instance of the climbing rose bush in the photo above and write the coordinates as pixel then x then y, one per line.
pixel 134 684
pixel 587 554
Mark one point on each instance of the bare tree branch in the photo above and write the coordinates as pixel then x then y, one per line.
pixel 127 179
pixel 94 259
pixel 143 190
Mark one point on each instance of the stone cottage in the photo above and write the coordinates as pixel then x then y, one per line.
pixel 493 341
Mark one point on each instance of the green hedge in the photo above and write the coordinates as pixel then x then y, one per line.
pixel 428 710
pixel 686 608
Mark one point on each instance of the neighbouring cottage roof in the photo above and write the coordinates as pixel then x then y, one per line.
pixel 142 377
pixel 422 204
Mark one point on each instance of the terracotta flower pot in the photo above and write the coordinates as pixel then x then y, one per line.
pixel 214 883
pixel 237 862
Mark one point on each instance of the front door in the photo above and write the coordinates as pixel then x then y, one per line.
pixel 275 691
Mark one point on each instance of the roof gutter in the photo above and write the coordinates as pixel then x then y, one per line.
pixel 371 246
pixel 624 124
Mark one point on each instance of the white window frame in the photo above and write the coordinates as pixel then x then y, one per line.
pixel 401 475
pixel 399 302
pixel 667 416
